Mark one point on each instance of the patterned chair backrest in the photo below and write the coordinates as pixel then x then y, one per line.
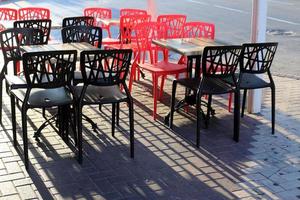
pixel 173 23
pixel 42 24
pixel 220 61
pixel 49 69
pixel 105 67
pixel 257 57
pixel 199 30
pixel 78 21
pixel 33 13
pixel 8 14
pixel 90 34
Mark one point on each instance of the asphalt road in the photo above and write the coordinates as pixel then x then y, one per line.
pixel 231 17
pixel 233 25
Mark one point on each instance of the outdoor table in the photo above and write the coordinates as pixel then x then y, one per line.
pixel 79 47
pixel 187 47
pixel 109 22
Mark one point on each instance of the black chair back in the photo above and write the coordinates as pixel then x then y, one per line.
pixel 78 21
pixel 257 58
pixel 49 69
pixel 105 67
pixel 90 34
pixel 220 61
pixel 12 39
pixel 42 24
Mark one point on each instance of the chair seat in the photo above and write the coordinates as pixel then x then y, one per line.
pixel 209 85
pixel 163 67
pixel 15 82
pixel 132 46
pixel 40 97
pixel 101 94
pixel 251 81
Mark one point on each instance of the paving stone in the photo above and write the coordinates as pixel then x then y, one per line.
pixel 26 192
pixel 7 188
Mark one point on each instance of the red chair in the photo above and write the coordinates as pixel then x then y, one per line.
pixel 197 29
pixel 131 11
pixel 101 13
pixel 127 34
pixel 145 32
pixel 8 14
pixel 33 13
pixel 174 24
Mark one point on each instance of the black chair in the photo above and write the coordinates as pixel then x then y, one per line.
pixel 11 42
pixel 78 21
pixel 257 58
pixel 217 63
pixel 90 34
pixel 103 71
pixel 42 24
pixel 44 89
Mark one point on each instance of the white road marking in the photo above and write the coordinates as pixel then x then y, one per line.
pixel 198 2
pixel 245 12
pixel 231 9
pixel 283 21
pixel 282 2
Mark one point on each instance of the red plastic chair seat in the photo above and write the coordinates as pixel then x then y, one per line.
pixel 132 46
pixel 163 67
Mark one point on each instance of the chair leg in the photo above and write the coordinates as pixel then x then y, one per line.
pixel 75 124
pixel 208 110
pixel 244 102
pixel 118 114
pixel 131 77
pixel 172 110
pixel 108 31
pixel 229 101
pixel 13 116
pixel 44 112
pixel 198 110
pixel 163 78
pixel 236 116
pixel 1 96
pixel 131 127
pixel 79 133
pixel 273 108
pixel 113 120
pixel 154 95
pixel 25 138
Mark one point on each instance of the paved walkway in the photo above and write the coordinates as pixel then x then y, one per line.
pixel 167 164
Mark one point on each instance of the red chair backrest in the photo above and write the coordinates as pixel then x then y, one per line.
pixel 131 11
pixel 127 26
pixel 34 13
pixel 101 13
pixel 8 14
pixel 148 31
pixel 173 23
pixel 199 30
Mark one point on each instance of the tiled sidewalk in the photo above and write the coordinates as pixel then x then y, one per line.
pixel 167 165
